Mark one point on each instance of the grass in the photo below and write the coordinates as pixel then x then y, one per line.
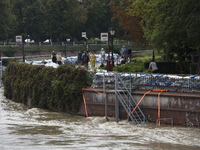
pixel 139 65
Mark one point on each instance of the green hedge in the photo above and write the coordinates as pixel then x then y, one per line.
pixel 193 68
pixel 175 68
pixel 49 88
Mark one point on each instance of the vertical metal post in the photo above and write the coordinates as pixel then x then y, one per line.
pixel 104 82
pixel 106 107
pixel 1 66
pixel 23 47
pixel 129 99
pixel 112 51
pixel 65 49
pixel 116 100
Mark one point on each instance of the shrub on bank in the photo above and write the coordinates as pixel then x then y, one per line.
pixel 49 88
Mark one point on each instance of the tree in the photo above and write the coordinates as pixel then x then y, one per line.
pixel 35 19
pixel 169 25
pixel 99 16
pixel 4 19
pixel 172 26
pixel 63 18
pixel 130 24
pixel 18 9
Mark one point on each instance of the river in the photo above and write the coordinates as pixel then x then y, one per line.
pixel 22 128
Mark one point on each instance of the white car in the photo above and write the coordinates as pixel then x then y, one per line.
pixel 47 41
pixel 29 41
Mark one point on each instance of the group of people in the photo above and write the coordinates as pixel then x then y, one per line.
pixel 56 58
pixel 84 58
pixel 125 55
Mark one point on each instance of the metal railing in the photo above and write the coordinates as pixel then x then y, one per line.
pixel 70 43
pixel 123 94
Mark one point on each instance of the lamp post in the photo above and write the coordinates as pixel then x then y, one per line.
pixel 112 32
pixel 23 48
pixel 28 40
pixel 153 57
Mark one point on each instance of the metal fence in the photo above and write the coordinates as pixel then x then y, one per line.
pixel 176 83
pixel 74 43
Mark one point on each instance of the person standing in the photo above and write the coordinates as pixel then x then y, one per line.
pixel 122 50
pixel 79 60
pixel 154 67
pixel 92 60
pixel 126 55
pixel 53 57
pixel 85 59
pixel 102 55
pixel 59 58
pixel 129 54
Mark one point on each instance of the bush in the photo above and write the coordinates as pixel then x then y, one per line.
pixel 193 68
pixel 131 67
pixel 56 89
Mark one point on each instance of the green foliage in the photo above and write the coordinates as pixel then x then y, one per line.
pixel 63 18
pixel 57 89
pixel 193 67
pixel 131 67
pixel 4 19
pixel 172 26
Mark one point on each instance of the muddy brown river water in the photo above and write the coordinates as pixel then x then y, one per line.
pixel 22 128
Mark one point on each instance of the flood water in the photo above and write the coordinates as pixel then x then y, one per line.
pixel 38 129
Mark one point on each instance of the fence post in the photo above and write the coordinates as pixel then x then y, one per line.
pixel 106 107
pixel 116 100
pixel 104 82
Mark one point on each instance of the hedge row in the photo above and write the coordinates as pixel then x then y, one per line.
pixel 49 88
pixel 175 68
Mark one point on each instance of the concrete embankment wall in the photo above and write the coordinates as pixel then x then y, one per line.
pixel 184 108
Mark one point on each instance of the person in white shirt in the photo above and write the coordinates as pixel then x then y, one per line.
pixel 102 55
pixel 153 66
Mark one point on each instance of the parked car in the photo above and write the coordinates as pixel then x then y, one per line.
pixel 47 41
pixel 29 41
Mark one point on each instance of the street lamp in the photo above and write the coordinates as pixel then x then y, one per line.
pixel 153 57
pixel 112 32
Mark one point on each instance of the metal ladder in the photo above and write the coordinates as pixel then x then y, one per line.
pixel 123 94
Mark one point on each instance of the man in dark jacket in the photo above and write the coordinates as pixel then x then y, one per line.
pixel 53 57
pixel 85 59
pixel 129 54
pixel 79 59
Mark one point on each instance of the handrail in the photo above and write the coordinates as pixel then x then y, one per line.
pixel 161 90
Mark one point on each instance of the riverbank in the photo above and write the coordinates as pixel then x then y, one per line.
pixel 60 89
pixel 35 128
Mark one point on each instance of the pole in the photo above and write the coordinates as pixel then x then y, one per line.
pixel 112 50
pixel 23 48
pixel 108 59
pixel 1 66
pixel 65 49
pixel 86 42
pixel 116 100
pixel 106 107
